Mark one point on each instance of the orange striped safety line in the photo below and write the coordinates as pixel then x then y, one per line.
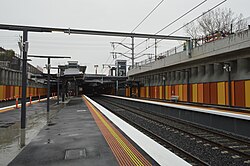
pixel 124 151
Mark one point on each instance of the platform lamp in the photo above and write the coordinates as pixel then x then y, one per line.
pixel 227 67
pixel 164 86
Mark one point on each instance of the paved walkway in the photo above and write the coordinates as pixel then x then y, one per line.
pixel 80 135
pixel 72 138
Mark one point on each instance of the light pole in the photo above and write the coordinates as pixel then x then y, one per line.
pixel 227 67
pixel 188 85
pixel 164 84
pixel 24 49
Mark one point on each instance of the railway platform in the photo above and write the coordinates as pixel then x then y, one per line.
pixel 222 119
pixel 83 133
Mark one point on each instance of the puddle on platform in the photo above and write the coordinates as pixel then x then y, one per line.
pixel 9 136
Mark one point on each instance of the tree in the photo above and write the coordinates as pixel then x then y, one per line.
pixel 7 55
pixel 219 20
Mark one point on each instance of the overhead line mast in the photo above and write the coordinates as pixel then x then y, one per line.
pixel 138 25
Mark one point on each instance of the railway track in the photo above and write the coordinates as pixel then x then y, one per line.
pixel 182 153
pixel 224 148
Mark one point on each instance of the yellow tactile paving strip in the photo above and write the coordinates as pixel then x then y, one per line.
pixel 125 153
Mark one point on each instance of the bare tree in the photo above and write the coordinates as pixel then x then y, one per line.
pixel 219 20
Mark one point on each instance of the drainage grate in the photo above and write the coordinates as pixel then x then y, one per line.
pixel 81 110
pixel 82 153
pixel 71 154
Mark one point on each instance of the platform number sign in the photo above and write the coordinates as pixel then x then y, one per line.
pixel 121 67
pixel 122 72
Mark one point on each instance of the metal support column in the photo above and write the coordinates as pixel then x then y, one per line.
pixel 130 89
pixel 63 90
pixel 149 94
pixel 115 90
pixel 227 67
pixel 133 52
pixel 24 87
pixel 155 49
pixel 117 87
pixel 164 87
pixel 188 86
pixel 139 89
pixel 48 85
pixel 229 89
pixel 58 85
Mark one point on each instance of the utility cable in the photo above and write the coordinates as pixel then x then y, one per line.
pixel 185 25
pixel 171 24
pixel 181 16
pixel 140 24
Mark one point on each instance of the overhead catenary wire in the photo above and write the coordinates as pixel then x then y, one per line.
pixel 170 24
pixel 183 26
pixel 143 19
pixel 137 27
pixel 186 13
pixel 148 15
pixel 183 15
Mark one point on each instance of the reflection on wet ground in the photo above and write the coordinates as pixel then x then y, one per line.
pixel 10 130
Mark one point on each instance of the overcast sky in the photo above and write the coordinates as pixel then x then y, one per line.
pixel 108 15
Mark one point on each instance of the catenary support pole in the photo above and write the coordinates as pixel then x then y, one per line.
pixel 155 49
pixel 133 52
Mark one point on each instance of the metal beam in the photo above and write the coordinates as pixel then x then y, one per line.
pixel 48 56
pixel 48 86
pixel 90 32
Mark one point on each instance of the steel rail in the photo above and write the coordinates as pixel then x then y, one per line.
pixel 149 116
pixel 192 159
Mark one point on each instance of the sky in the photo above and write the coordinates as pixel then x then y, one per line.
pixel 105 15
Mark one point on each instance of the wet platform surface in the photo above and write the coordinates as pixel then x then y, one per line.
pixel 10 127
pixel 72 138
